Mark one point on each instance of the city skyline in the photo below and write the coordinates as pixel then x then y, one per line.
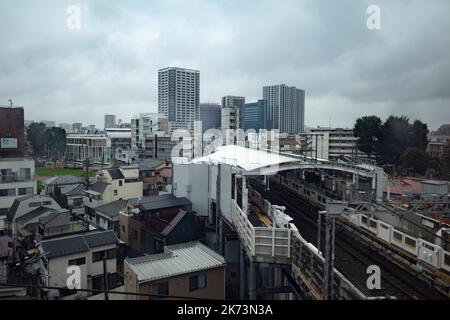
pixel 110 64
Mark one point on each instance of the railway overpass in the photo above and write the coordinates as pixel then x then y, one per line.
pixel 277 257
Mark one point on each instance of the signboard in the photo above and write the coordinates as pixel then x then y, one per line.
pixel 8 143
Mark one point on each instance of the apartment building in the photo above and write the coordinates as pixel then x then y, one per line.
pixel 17 179
pixel 179 96
pixel 186 270
pixel 330 143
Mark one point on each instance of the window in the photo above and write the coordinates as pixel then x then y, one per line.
pixel 97 256
pixel 398 236
pixel 3 211
pixel 120 183
pixel 34 204
pixel 78 202
pixel 197 282
pixel 115 192
pixel 135 235
pixel 364 219
pixel 24 191
pixel 77 262
pixel 447 259
pixel 160 289
pixel 373 224
pixel 410 242
pixel 123 228
pixel 7 192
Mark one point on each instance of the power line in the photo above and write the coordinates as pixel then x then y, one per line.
pixel 101 291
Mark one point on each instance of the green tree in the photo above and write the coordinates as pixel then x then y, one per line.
pixel 418 135
pixel 394 139
pixel 35 135
pixel 49 142
pixel 368 130
pixel 415 158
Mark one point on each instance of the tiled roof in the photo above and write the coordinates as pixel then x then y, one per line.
pixel 112 209
pixel 176 260
pixel 68 245
pixel 163 201
pixel 99 187
pixel 61 180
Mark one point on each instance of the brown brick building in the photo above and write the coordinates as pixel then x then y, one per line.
pixel 12 132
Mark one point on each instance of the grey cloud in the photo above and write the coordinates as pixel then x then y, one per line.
pixel 324 47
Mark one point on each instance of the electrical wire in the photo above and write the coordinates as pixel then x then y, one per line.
pixel 101 291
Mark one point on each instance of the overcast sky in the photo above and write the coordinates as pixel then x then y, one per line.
pixel 324 47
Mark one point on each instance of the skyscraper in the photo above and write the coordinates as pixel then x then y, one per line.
pixel 285 108
pixel 179 96
pixel 110 121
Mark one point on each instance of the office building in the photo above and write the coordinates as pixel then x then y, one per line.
pixel 210 116
pixel 179 96
pixel 285 108
pixel 110 121
pixel 94 147
pixel 77 127
pixel 254 116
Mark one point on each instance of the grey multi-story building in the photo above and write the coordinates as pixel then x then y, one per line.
pixel 110 121
pixel 232 112
pixel 209 115
pixel 285 108
pixel 179 96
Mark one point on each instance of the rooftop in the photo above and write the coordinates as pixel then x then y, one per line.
pixel 99 187
pixel 112 209
pixel 162 201
pixel 72 244
pixel 60 180
pixel 247 159
pixel 176 260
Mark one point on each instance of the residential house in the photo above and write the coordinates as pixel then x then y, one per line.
pixel 107 215
pixel 150 223
pixel 60 181
pixel 185 270
pixel 155 175
pixel 111 185
pixel 87 250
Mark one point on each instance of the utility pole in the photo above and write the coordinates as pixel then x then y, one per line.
pixel 105 276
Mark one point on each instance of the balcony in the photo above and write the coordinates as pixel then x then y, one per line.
pixel 15 177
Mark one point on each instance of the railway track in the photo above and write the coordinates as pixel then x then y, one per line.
pixel 351 256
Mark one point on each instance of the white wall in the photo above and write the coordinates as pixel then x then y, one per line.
pixel 16 165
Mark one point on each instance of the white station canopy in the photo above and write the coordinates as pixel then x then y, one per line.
pixel 244 158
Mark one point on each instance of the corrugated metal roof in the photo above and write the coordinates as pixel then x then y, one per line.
pixel 176 260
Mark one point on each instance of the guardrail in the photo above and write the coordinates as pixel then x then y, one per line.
pixel 261 241
pixel 15 177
